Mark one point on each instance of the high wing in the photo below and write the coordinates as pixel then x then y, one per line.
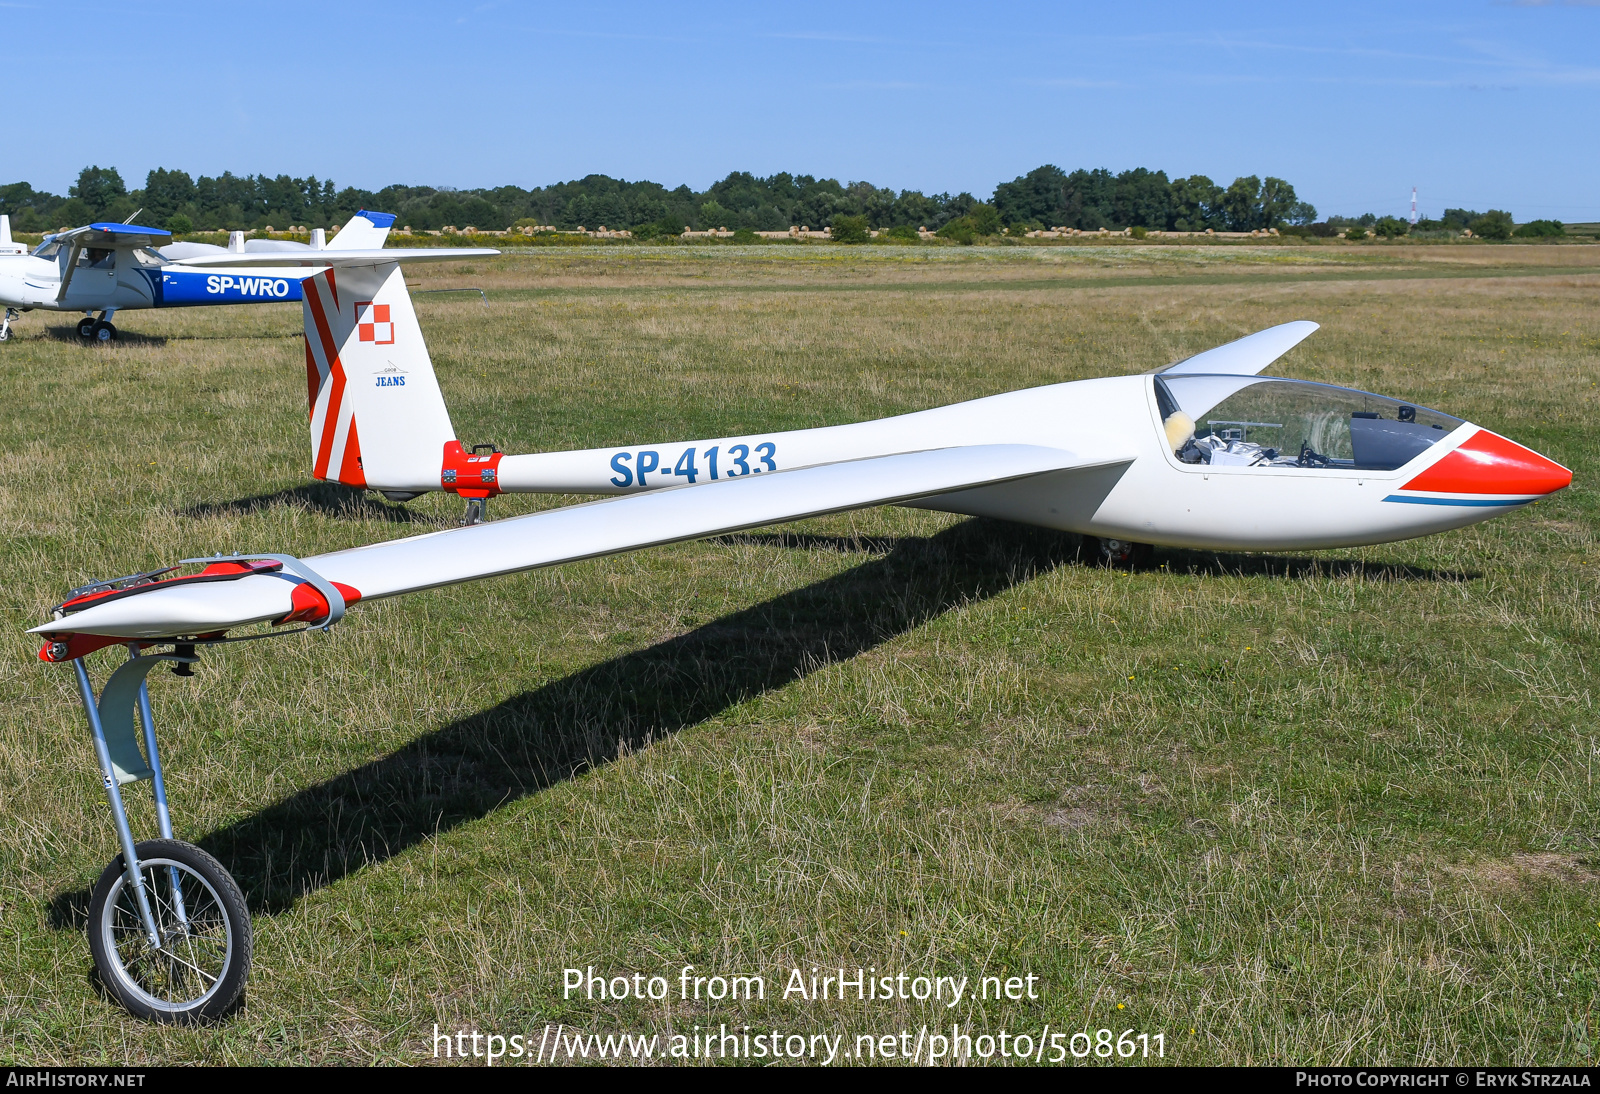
pixel 1246 356
pixel 106 234
pixel 330 257
pixel 577 532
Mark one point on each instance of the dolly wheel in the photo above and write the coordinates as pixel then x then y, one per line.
pixel 199 969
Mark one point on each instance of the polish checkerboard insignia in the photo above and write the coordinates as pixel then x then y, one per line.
pixel 373 323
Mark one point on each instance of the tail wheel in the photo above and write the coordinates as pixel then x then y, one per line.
pixel 198 970
pixel 5 334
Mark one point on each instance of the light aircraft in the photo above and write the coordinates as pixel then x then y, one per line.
pixel 1206 453
pixel 107 268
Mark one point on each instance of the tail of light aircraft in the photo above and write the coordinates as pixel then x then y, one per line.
pixel 7 245
pixel 366 230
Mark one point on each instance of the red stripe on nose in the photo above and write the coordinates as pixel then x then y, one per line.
pixel 1489 464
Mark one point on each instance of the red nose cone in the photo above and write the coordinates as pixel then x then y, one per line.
pixel 1489 464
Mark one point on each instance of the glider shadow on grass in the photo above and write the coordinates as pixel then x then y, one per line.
pixel 464 771
pixel 330 499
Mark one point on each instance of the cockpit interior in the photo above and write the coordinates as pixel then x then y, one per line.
pixel 1256 421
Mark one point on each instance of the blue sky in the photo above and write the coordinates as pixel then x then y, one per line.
pixel 1477 104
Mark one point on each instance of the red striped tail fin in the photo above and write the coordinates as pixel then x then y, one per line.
pixel 378 419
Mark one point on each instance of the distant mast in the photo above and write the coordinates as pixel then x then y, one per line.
pixel 1413 206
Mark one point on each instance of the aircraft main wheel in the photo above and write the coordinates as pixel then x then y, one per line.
pixel 86 328
pixel 201 965
pixel 103 332
pixel 1114 552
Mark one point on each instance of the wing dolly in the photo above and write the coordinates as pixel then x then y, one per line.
pixel 169 928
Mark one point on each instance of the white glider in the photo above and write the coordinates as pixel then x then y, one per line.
pixel 1205 453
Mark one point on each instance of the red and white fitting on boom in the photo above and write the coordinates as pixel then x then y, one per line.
pixel 474 476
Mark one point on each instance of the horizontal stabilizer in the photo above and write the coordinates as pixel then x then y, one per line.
pixel 567 535
pixel 254 245
pixel 1248 355
pixel 182 252
pixel 332 258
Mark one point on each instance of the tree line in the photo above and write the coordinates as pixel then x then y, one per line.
pixel 1046 197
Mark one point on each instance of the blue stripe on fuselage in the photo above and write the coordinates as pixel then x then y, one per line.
pixel 1460 501
pixel 182 289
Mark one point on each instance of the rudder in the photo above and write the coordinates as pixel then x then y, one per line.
pixel 366 231
pixel 378 419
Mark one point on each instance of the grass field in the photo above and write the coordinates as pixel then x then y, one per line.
pixel 1331 808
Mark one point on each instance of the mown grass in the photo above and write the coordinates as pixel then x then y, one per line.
pixel 1331 808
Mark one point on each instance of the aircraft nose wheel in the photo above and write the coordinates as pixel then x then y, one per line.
pixel 199 968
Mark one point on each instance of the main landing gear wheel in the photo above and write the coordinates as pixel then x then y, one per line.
pixel 86 328
pixel 1115 553
pixel 103 332
pixel 199 969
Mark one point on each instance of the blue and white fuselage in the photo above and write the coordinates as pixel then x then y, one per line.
pixel 107 268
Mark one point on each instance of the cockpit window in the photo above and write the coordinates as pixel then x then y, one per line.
pixel 98 258
pixel 48 249
pixel 1254 421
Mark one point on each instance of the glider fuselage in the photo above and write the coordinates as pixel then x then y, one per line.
pixel 1148 494
pixel 1266 463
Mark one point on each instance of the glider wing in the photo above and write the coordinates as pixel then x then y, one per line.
pixel 548 538
pixel 1248 355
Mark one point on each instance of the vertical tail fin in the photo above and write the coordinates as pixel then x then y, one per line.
pixel 366 231
pixel 378 419
pixel 7 245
